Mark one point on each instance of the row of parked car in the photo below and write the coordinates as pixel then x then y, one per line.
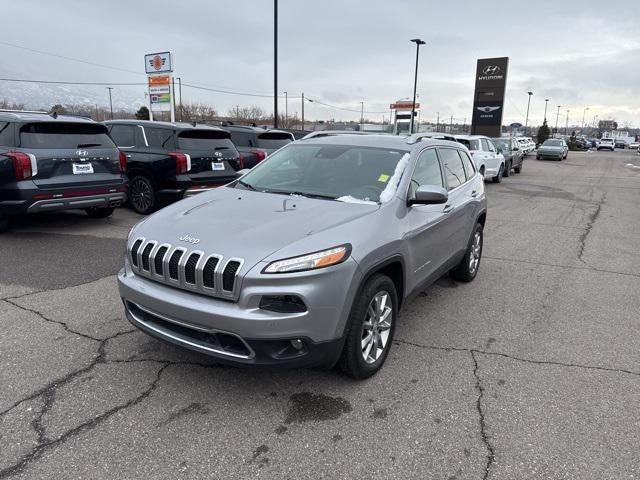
pixel 57 162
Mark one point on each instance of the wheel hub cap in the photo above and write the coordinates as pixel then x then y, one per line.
pixel 476 249
pixel 376 327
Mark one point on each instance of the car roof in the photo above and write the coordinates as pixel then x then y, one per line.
pixel 257 130
pixel 8 115
pixel 172 125
pixel 470 137
pixel 376 141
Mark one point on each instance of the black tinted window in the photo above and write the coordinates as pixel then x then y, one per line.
pixel 453 169
pixel 64 135
pixel 427 171
pixel 243 139
pixel 469 169
pixel 123 135
pixel 273 140
pixel 6 134
pixel 204 140
pixel 160 138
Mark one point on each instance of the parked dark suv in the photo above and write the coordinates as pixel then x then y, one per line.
pixel 254 143
pixel 56 162
pixel 513 154
pixel 168 161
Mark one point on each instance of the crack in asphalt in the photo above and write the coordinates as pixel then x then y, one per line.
pixel 491 454
pixel 519 359
pixel 42 290
pixel 573 267
pixel 50 320
pixel 592 220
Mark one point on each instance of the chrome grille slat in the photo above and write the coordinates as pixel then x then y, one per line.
pixel 154 260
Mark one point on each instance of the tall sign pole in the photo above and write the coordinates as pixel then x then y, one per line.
pixel 159 67
pixel 488 101
pixel 275 63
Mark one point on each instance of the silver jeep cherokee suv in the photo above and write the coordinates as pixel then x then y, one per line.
pixel 307 259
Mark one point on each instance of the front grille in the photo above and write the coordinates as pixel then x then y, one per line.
pixel 209 272
pixel 173 264
pixel 158 263
pixel 192 270
pixel 145 255
pixel 134 251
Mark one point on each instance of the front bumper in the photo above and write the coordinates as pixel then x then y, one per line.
pixel 255 336
pixel 550 154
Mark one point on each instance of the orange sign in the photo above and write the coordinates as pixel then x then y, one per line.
pixel 157 80
pixel 402 106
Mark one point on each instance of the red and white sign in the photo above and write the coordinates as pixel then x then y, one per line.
pixel 403 106
pixel 158 62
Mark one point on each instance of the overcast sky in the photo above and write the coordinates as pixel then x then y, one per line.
pixel 577 54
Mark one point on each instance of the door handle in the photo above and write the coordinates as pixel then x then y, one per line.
pixel 447 208
pixel 474 194
pixel 127 155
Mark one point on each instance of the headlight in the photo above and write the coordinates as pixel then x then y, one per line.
pixel 311 261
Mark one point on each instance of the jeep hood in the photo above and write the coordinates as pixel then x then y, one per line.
pixel 246 224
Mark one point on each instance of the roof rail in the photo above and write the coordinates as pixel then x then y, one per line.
pixel 416 137
pixel 8 110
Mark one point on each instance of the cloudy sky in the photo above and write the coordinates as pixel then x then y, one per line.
pixel 341 52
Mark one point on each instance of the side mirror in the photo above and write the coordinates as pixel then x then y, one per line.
pixel 515 149
pixel 429 195
pixel 499 150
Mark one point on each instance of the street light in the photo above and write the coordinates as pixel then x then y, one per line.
pixel 566 126
pixel 583 114
pixel 361 116
pixel 275 63
pixel 557 117
pixel 418 42
pixel 526 122
pixel 286 109
pixel 546 102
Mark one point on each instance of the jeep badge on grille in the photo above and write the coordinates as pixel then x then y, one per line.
pixel 188 238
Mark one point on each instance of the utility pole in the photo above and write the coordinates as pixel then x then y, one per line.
pixel 583 114
pixel 557 117
pixel 302 111
pixel 237 112
pixel 566 126
pixel 546 102
pixel 526 122
pixel 180 95
pixel 110 102
pixel 438 122
pixel 286 109
pixel 418 42
pixel 275 63
pixel 451 125
pixel 361 116
pixel 173 95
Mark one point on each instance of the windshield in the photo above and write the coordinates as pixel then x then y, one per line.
pixel 204 140
pixel 273 140
pixel 470 144
pixel 501 143
pixel 330 171
pixel 552 143
pixel 58 135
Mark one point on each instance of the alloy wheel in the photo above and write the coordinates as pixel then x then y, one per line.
pixel 141 195
pixel 376 327
pixel 476 249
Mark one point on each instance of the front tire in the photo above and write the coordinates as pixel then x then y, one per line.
pixel 4 223
pixel 99 212
pixel 371 327
pixel 498 178
pixel 507 169
pixel 142 195
pixel 518 169
pixel 468 267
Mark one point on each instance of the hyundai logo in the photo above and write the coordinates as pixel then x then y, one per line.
pixel 491 70
pixel 189 239
pixel 487 109
pixel 217 154
pixel 82 153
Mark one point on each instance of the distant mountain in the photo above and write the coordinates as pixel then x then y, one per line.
pixel 43 96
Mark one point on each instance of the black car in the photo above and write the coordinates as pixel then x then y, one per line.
pixel 513 155
pixel 54 162
pixel 254 143
pixel 168 161
pixel 621 144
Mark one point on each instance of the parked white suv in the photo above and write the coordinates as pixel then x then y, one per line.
pixel 485 155
pixel 607 143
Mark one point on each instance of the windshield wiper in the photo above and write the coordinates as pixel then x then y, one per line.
pixel 303 194
pixel 246 185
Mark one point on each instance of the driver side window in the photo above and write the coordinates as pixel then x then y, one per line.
pixel 427 171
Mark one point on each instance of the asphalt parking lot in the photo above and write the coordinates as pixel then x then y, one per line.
pixel 531 371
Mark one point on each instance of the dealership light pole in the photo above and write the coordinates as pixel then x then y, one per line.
pixel 110 102
pixel 584 112
pixel 546 102
pixel 286 109
pixel 438 122
pixel 302 111
pixel 418 42
pixel 557 117
pixel 361 116
pixel 275 63
pixel 526 122
pixel 566 126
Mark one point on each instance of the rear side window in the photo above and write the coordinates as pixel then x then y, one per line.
pixel 160 138
pixel 204 140
pixel 469 168
pixel 473 145
pixel 243 139
pixel 273 140
pixel 60 135
pixel 123 135
pixel 453 169
pixel 487 146
pixel 6 134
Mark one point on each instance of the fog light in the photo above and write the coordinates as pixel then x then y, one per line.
pixel 283 304
pixel 297 344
